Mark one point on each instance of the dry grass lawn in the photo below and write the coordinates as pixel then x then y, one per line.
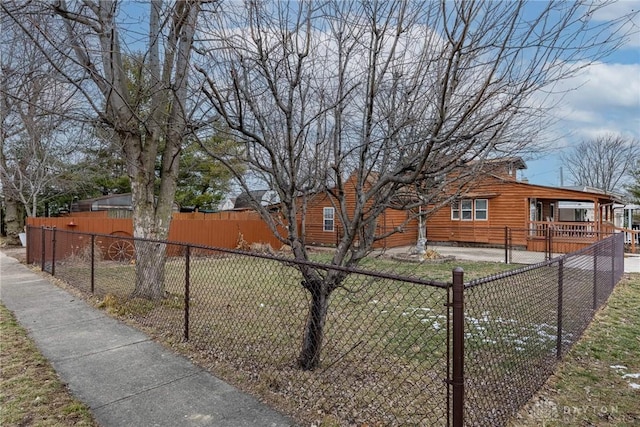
pixel 31 393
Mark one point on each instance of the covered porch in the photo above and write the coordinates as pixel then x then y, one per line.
pixel 565 223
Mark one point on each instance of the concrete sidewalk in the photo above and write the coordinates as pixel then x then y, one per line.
pixel 124 377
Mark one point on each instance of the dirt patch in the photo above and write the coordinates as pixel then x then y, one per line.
pixel 430 257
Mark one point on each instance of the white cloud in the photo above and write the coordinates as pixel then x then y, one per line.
pixel 606 85
pixel 628 13
pixel 603 98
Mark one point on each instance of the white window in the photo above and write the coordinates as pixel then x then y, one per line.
pixel 455 211
pixel 467 210
pixel 481 209
pixel 328 215
pixel 470 209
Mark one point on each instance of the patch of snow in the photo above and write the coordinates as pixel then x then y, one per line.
pixel 634 376
pixel 634 386
pixel 618 367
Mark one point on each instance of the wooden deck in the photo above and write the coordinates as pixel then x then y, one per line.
pixel 571 236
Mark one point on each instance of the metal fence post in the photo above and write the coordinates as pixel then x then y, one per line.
pixel 93 263
pixel 29 245
pixel 53 252
pixel 42 248
pixel 506 244
pixel 187 280
pixel 613 262
pixel 458 347
pixel 595 278
pixel 560 292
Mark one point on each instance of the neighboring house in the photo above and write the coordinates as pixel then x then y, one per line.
pixel 226 204
pixel 116 205
pixel 244 201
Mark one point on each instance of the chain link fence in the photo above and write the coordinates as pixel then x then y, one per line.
pixel 384 354
pixel 389 355
pixel 511 245
pixel 518 324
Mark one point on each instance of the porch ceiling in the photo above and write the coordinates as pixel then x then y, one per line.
pixel 574 196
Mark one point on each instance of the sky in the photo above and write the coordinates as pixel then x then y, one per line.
pixel 604 99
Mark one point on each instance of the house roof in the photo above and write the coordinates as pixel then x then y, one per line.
pixel 265 197
pixel 516 162
pixel 110 201
pixel 563 193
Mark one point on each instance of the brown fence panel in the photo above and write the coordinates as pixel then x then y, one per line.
pixel 224 215
pixel 91 214
pixel 86 224
pixel 222 233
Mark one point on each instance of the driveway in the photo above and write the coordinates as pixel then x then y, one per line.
pixel 631 261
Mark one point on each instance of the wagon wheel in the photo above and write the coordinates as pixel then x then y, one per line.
pixel 121 250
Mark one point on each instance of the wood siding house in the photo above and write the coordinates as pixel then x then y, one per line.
pixel 322 226
pixel 497 201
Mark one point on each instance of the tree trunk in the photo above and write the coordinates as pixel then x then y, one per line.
pixel 150 260
pixel 13 220
pixel 309 358
pixel 149 222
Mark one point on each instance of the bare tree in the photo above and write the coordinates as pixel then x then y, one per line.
pixel 634 185
pixel 603 162
pixel 148 116
pixel 387 98
pixel 35 140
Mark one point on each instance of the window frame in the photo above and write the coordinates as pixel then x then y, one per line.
pixel 468 210
pixel 326 219
pixel 485 210
pixel 455 210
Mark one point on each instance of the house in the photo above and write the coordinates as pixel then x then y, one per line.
pixel 226 204
pixel 496 201
pixel 265 197
pixel 115 205
pixel 322 226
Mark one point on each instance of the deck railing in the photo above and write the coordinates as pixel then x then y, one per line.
pixel 589 231
pixel 576 230
pixel 631 239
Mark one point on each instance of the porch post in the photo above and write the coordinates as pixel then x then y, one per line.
pixel 597 218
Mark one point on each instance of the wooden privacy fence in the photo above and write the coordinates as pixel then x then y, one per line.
pixel 221 233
